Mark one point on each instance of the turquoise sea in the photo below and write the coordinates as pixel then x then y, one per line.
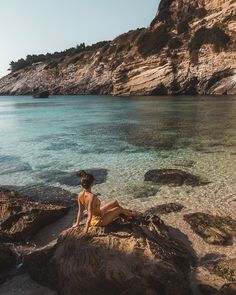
pixel 42 141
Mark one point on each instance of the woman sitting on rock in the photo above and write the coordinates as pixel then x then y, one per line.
pixel 97 216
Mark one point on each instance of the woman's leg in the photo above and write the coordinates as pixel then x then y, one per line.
pixel 110 216
pixel 114 213
pixel 109 206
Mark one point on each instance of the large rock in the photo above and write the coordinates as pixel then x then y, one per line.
pixel 132 257
pixel 174 177
pixel 214 230
pixel 70 178
pixel 21 217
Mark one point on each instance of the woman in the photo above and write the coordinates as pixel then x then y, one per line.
pixel 97 215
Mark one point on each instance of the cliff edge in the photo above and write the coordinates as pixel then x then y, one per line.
pixel 189 48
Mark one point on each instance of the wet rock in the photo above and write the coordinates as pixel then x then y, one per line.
pixel 132 257
pixel 225 268
pixel 227 289
pixel 165 209
pixel 174 177
pixel 70 178
pixel 21 218
pixel 46 194
pixel 214 230
pixel 7 258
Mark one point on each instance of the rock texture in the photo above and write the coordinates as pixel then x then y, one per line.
pixel 225 268
pixel 23 285
pixel 21 217
pixel 227 289
pixel 214 230
pixel 7 258
pixel 127 257
pixel 189 48
pixel 173 176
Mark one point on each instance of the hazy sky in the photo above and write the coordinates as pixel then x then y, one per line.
pixel 41 26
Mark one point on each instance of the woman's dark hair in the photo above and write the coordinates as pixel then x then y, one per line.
pixel 85 179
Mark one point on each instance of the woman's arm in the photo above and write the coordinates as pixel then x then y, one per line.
pixel 80 211
pixel 90 215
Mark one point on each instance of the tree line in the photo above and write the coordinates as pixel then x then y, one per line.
pixel 48 57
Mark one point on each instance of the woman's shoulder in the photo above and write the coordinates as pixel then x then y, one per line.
pixel 87 195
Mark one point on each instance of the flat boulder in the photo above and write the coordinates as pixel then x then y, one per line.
pixel 127 257
pixel 21 217
pixel 215 230
pixel 173 177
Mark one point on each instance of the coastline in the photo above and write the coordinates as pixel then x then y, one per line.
pixel 178 228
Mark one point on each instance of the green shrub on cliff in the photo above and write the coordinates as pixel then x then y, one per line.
pixel 52 59
pixel 215 36
pixel 152 42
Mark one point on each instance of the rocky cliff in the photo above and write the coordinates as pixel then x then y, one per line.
pixel 189 48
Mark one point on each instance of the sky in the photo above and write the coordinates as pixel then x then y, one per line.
pixel 41 26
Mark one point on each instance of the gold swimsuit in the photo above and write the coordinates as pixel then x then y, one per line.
pixel 97 213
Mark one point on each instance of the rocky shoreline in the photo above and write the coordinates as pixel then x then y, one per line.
pixel 189 48
pixel 158 253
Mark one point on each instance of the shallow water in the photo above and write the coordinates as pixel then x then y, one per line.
pixel 40 138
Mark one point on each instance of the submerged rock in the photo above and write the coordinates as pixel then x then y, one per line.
pixel 132 257
pixel 173 176
pixel 21 217
pixel 70 178
pixel 13 164
pixel 225 268
pixel 214 230
pixel 142 192
pixel 165 209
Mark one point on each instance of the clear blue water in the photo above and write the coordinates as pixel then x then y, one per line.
pixel 126 137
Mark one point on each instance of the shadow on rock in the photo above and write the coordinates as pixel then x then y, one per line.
pixel 215 230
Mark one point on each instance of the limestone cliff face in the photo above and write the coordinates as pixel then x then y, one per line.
pixel 189 48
